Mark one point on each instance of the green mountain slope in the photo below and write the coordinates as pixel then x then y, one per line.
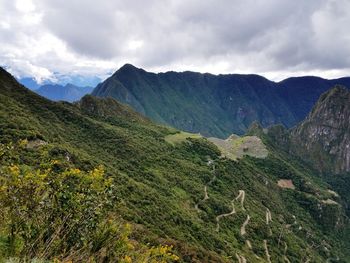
pixel 180 191
pixel 214 105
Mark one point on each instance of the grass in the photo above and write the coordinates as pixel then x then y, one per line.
pixel 181 137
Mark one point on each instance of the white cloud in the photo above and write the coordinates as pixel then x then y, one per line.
pixel 25 6
pixel 277 38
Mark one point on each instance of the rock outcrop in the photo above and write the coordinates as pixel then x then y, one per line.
pixel 323 137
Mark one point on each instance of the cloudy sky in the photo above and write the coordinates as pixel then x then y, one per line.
pixel 275 38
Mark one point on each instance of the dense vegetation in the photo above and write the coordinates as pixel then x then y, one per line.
pixel 58 212
pixel 57 150
pixel 215 105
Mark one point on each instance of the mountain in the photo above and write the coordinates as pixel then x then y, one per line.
pixel 214 105
pixel 324 136
pixel 301 93
pixel 69 92
pixel 30 83
pixel 205 103
pixel 253 203
pixel 60 79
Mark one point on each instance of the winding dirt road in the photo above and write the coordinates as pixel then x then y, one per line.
pixel 245 223
pixel 241 259
pixel 285 253
pixel 249 244
pixel 268 216
pixel 241 195
pixel 268 256
pixel 225 215
pixel 206 195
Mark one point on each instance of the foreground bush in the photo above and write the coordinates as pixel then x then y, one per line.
pixel 61 214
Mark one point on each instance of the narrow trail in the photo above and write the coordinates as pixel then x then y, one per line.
pixel 268 219
pixel 243 231
pixel 241 195
pixel 268 256
pixel 206 195
pixel 333 259
pixel 285 253
pixel 225 215
pixel 241 259
pixel 268 216
pixel 249 244
pixel 286 259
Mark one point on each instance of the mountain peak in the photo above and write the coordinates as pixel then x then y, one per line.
pixel 7 81
pixel 336 99
pixel 336 91
pixel 128 67
pixel 5 73
pixel 57 92
pixel 108 107
pixel 324 135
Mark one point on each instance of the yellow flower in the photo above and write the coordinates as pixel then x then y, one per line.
pixel 14 169
pixel 75 171
pixel 55 162
pixel 127 259
pixel 23 143
pixel 130 246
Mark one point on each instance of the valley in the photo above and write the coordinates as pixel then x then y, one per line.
pixel 211 201
pixel 171 131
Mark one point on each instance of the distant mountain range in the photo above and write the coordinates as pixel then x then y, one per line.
pixel 215 105
pixel 69 92
pixel 61 79
pixel 29 83
pixel 67 87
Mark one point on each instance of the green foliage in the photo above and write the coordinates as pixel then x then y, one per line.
pixel 47 210
pixel 213 105
pixel 151 184
pixel 56 212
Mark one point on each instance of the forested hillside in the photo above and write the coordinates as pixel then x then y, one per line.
pixel 108 185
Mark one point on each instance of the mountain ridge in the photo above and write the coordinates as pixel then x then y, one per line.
pixel 68 92
pixel 214 105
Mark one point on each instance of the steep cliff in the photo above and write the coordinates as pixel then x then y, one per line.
pixel 324 136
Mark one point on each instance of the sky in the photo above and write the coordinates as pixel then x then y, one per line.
pixel 274 38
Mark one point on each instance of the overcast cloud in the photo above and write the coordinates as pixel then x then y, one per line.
pixel 275 38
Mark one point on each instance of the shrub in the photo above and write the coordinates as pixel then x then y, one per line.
pixel 56 213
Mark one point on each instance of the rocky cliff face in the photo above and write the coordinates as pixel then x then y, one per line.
pixel 324 136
